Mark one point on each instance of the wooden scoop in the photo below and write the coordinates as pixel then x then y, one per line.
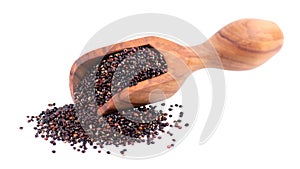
pixel 241 45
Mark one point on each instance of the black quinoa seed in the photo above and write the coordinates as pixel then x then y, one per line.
pixel 132 64
pixel 79 125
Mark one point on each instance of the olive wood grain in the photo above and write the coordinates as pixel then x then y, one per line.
pixel 241 45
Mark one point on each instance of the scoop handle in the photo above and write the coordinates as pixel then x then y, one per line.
pixel 241 45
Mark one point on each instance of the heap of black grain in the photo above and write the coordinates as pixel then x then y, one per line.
pixel 79 125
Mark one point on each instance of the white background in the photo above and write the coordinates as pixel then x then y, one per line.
pixel 39 42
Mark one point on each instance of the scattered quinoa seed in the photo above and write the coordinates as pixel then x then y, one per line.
pixel 80 126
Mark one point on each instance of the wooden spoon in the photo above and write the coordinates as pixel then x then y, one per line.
pixel 241 45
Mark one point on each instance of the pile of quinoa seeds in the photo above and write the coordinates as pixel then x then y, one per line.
pixel 79 125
